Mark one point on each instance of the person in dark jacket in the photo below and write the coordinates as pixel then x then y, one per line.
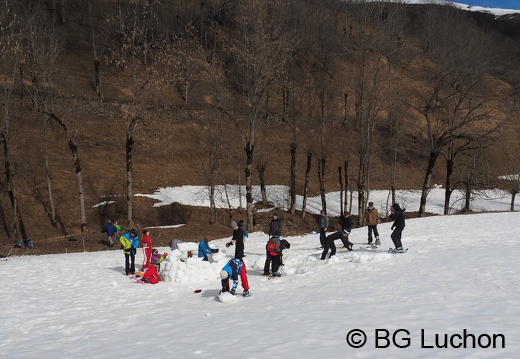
pixel 397 214
pixel 273 252
pixel 275 231
pixel 324 227
pixel 346 227
pixel 111 231
pixel 275 226
pixel 329 243
pixel 237 240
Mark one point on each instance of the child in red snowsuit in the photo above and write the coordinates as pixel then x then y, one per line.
pixel 147 249
pixel 151 275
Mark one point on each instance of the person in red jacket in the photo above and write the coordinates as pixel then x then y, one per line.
pixel 147 249
pixel 151 275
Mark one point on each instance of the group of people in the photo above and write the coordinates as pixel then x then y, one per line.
pixel 372 219
pixel 236 267
pixel 129 242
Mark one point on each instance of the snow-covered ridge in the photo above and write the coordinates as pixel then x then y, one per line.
pixel 278 195
pixel 492 10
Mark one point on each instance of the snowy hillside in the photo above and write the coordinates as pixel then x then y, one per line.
pixel 458 286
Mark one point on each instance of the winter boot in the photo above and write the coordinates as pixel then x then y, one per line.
pixel 246 293
pixel 378 242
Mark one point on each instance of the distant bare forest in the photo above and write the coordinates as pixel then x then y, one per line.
pixel 104 99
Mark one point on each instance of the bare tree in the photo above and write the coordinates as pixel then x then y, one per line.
pixel 509 180
pixel 99 35
pixel 146 51
pixel 374 38
pixel 456 104
pixel 10 32
pixel 261 52
pixel 42 47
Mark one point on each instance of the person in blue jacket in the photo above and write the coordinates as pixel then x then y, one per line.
pixel 205 249
pixel 129 243
pixel 234 268
pixel 111 231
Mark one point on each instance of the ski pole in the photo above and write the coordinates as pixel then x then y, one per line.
pixel 9 252
pixel 284 273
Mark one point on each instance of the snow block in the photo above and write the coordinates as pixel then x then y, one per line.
pixel 227 297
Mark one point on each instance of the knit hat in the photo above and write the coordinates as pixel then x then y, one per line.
pixel 224 274
pixel 234 224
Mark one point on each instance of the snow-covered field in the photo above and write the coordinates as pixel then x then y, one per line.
pixel 455 294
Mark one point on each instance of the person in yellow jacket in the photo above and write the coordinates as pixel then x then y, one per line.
pixel 129 243
pixel 372 220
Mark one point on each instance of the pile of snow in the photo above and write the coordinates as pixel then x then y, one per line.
pixel 179 268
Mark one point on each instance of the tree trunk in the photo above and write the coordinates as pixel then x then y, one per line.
pixel 261 177
pixel 129 180
pixel 393 170
pixel 97 78
pixel 285 108
pixel 77 165
pixel 18 224
pixel 306 183
pixel 426 183
pixel 345 109
pixel 340 177
pixel 513 195
pixel 347 186
pixel 321 178
pixel 212 206
pixel 467 199
pixel 362 195
pixel 448 185
pixel 121 32
pixel 249 148
pixel 292 190
pixel 47 172
pixel 450 163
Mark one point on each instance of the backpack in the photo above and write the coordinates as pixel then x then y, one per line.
pixel 271 248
